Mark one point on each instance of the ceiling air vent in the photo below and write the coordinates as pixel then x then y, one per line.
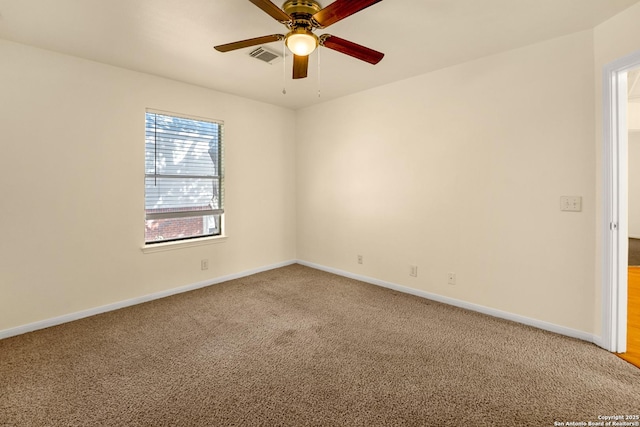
pixel 265 55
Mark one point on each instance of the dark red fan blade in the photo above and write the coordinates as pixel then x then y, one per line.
pixel 300 66
pixel 249 42
pixel 340 9
pixel 352 49
pixel 271 9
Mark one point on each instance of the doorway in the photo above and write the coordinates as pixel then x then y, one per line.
pixel 619 86
pixel 632 354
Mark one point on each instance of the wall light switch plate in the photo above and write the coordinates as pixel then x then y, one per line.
pixel 571 203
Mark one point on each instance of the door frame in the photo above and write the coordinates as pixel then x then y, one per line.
pixel 615 224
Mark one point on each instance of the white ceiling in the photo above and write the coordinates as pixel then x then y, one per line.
pixel 174 39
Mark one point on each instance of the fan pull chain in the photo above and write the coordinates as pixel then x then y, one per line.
pixel 284 68
pixel 318 71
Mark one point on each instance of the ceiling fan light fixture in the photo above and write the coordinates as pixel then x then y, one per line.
pixel 301 42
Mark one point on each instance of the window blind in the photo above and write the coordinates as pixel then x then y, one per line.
pixel 183 169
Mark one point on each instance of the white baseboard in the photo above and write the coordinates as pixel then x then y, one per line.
pixel 30 327
pixel 562 330
pixel 635 236
pixel 599 342
pixel 6 333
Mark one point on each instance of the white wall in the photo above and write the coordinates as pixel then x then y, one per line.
pixel 72 169
pixel 634 184
pixel 633 116
pixel 613 39
pixel 461 170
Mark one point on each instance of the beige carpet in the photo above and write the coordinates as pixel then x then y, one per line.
pixel 296 346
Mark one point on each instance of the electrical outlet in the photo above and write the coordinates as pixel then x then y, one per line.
pixel 451 278
pixel 204 264
pixel 571 203
pixel 359 259
pixel 413 270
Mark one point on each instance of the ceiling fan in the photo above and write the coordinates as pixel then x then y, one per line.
pixel 302 17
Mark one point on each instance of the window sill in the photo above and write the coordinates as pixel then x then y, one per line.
pixel 170 246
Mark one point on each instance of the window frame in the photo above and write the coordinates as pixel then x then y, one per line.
pixel 197 240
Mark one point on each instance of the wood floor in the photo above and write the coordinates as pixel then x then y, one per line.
pixel 633 318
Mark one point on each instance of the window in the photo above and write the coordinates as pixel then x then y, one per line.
pixel 183 180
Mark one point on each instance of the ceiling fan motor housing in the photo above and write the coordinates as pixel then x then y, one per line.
pixel 301 8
